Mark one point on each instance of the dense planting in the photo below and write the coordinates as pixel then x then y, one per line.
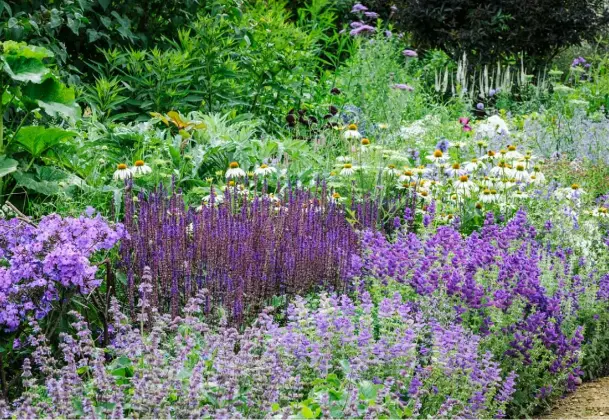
pixel 253 209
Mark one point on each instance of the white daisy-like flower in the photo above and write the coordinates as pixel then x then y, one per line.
pixel 420 170
pixel 347 170
pixel 455 170
pixel 488 195
pixel 572 193
pixel 234 171
pixel 264 170
pixel 391 170
pixel 407 176
pixel 458 144
pixel 336 198
pixel 520 173
pixel 520 195
pixel 437 156
pixel 488 182
pixel 513 154
pixel 537 177
pixel 352 133
pixel 490 155
pixel 343 159
pixel 122 172
pixel 423 194
pixel 602 212
pixel 140 168
pixel 505 184
pixel 473 165
pixel 464 186
pixel 493 125
pixel 502 170
pixel 217 198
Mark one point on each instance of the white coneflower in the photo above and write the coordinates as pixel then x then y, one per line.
pixel 488 195
pixel 217 198
pixel 455 170
pixel 140 168
pixel 473 165
pixel 537 177
pixel 459 145
pixel 601 212
pixel 122 172
pixel 512 153
pixel 572 193
pixel 351 132
pixel 336 198
pixel 407 176
pixel 344 159
pixel 264 170
pixel 436 157
pixel 391 170
pixel 501 170
pixel 490 155
pixel 520 195
pixel 464 186
pixel 506 183
pixel 347 170
pixel 488 182
pixel 420 170
pixel 424 194
pixel 234 171
pixel 520 173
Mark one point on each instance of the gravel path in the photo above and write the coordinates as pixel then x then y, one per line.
pixel 589 401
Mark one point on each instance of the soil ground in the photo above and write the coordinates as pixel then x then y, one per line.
pixel 589 401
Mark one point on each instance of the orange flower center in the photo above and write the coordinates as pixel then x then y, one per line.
pixel 438 154
pixel 234 165
pixel 139 163
pixel 122 166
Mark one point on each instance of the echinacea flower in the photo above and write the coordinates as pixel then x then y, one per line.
pixel 352 133
pixel 140 168
pixel 473 165
pixel 464 186
pixel 512 153
pixel 601 212
pixel 488 196
pixel 122 172
pixel 455 170
pixel 347 170
pixel 520 173
pixel 436 156
pixel 234 171
pixel 264 170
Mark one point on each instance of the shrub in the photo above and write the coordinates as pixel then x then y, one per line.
pixel 539 28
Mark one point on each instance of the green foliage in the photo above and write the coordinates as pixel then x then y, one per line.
pixel 28 84
pixel 539 28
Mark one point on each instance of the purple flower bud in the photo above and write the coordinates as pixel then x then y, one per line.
pixel 410 53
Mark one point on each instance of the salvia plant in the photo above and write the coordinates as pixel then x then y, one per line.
pixel 243 251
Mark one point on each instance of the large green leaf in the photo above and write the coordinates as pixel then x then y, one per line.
pixel 23 62
pixel 36 139
pixel 31 182
pixel 7 165
pixel 52 96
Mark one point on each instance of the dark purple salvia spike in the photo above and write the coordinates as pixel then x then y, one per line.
pixel 243 251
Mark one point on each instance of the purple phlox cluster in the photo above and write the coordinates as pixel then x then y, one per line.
pixel 40 260
pixel 358 8
pixel 580 61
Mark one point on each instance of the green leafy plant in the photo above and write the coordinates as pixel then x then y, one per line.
pixel 28 86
